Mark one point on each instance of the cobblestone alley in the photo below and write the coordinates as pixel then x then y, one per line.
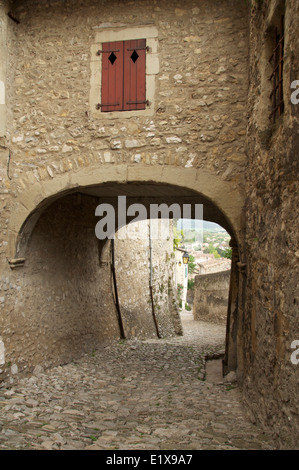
pixel 152 394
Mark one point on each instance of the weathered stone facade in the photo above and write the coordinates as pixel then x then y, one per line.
pixel 272 187
pixel 145 283
pixel 211 297
pixel 52 309
pixel 60 157
pixel 191 147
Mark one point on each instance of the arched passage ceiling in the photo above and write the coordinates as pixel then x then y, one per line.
pixel 154 193
pixel 222 201
pixel 135 192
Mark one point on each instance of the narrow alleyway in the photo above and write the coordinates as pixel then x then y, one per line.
pixel 152 394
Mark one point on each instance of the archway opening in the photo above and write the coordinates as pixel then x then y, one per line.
pixel 67 295
pixel 171 285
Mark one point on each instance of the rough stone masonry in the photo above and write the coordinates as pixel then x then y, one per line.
pixel 204 135
pixel 58 301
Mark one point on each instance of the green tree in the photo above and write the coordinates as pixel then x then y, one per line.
pixel 212 250
pixel 227 253
pixel 191 264
pixel 179 293
pixel 178 237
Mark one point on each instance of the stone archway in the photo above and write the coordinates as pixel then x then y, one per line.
pixel 64 304
pixel 35 196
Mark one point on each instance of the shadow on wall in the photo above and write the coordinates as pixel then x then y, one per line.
pixel 145 282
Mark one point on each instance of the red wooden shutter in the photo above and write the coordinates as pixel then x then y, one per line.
pixel 134 74
pixel 112 76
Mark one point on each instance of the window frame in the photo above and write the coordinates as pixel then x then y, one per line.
pixel 115 33
pixel 123 76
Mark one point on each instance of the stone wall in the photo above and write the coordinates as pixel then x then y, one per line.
pixel 201 87
pixel 55 142
pixel 272 187
pixel 52 307
pixel 61 302
pixel 211 297
pixel 193 137
pixel 141 263
pixel 3 67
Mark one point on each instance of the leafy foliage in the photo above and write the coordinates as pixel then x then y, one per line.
pixel 178 237
pixel 191 264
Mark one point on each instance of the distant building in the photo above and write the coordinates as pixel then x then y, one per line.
pixel 181 274
pixel 214 265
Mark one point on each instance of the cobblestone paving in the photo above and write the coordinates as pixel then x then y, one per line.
pixel 150 394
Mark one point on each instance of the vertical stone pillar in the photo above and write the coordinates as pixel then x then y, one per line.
pixel 230 361
pixel 3 64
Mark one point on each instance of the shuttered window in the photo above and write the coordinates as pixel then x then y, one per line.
pixel 123 75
